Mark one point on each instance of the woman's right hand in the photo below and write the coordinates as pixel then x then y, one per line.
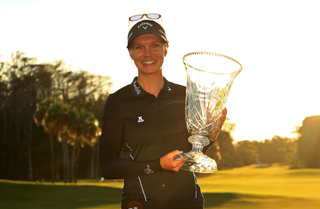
pixel 169 163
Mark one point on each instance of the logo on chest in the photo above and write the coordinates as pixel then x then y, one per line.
pixel 140 120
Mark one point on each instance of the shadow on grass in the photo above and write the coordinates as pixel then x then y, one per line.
pixel 231 200
pixel 51 196
pixel 262 166
pixel 70 196
pixel 217 199
pixel 244 201
pixel 36 196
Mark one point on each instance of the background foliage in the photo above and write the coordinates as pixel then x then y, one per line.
pixel 25 147
pixel 45 147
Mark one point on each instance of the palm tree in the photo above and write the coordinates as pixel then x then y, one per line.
pixel 92 133
pixel 39 115
pixel 58 118
pixel 85 129
pixel 75 129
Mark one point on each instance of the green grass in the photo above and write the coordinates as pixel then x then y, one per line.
pixel 51 196
pixel 248 187
pixel 262 187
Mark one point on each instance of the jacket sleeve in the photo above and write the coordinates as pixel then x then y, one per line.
pixel 112 166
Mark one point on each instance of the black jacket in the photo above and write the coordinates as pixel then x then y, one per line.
pixel 147 128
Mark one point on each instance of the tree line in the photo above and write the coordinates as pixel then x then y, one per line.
pixel 48 114
pixel 301 152
pixel 50 122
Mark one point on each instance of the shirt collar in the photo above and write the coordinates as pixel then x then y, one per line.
pixel 137 90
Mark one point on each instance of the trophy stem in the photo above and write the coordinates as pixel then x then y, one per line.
pixel 196 161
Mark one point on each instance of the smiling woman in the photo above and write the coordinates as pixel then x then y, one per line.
pixel 146 120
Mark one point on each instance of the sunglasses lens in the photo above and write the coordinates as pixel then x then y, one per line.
pixel 153 16
pixel 135 17
pixel 150 16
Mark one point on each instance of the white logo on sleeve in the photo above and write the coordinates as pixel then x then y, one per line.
pixel 140 120
pixel 148 170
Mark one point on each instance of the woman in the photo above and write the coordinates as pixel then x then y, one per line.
pixel 145 120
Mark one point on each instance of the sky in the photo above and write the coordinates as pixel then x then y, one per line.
pixel 276 41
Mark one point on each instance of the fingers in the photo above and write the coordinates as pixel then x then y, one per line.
pixel 222 118
pixel 224 111
pixel 217 129
pixel 169 163
pixel 215 134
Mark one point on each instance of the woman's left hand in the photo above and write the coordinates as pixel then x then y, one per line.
pixel 217 130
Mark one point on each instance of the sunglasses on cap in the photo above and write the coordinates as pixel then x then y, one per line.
pixel 152 16
pixel 139 24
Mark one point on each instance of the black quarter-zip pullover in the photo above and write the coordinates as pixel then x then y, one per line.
pixel 146 128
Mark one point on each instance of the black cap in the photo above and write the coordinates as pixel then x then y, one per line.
pixel 146 26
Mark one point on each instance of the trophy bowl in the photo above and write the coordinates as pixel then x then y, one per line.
pixel 209 79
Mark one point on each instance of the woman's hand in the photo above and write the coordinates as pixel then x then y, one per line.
pixel 169 163
pixel 217 130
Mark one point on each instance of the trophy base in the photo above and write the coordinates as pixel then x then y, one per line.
pixel 197 162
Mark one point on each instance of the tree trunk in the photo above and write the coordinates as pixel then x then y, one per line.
pixel 66 165
pixel 52 159
pixel 95 161
pixel 29 145
pixel 58 161
pixel 30 162
pixel 27 135
pixel 65 159
pixel 5 122
pixel 29 138
pixel 17 133
pixel 76 163
pixel 97 152
pixel 73 162
pixel 92 163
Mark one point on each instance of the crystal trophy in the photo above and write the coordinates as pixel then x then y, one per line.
pixel 209 79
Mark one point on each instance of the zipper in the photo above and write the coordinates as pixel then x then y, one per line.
pixel 130 150
pixel 144 195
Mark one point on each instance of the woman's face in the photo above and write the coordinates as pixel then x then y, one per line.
pixel 148 52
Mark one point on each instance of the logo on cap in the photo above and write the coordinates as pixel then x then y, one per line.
pixel 144 25
pixel 130 35
pixel 162 32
